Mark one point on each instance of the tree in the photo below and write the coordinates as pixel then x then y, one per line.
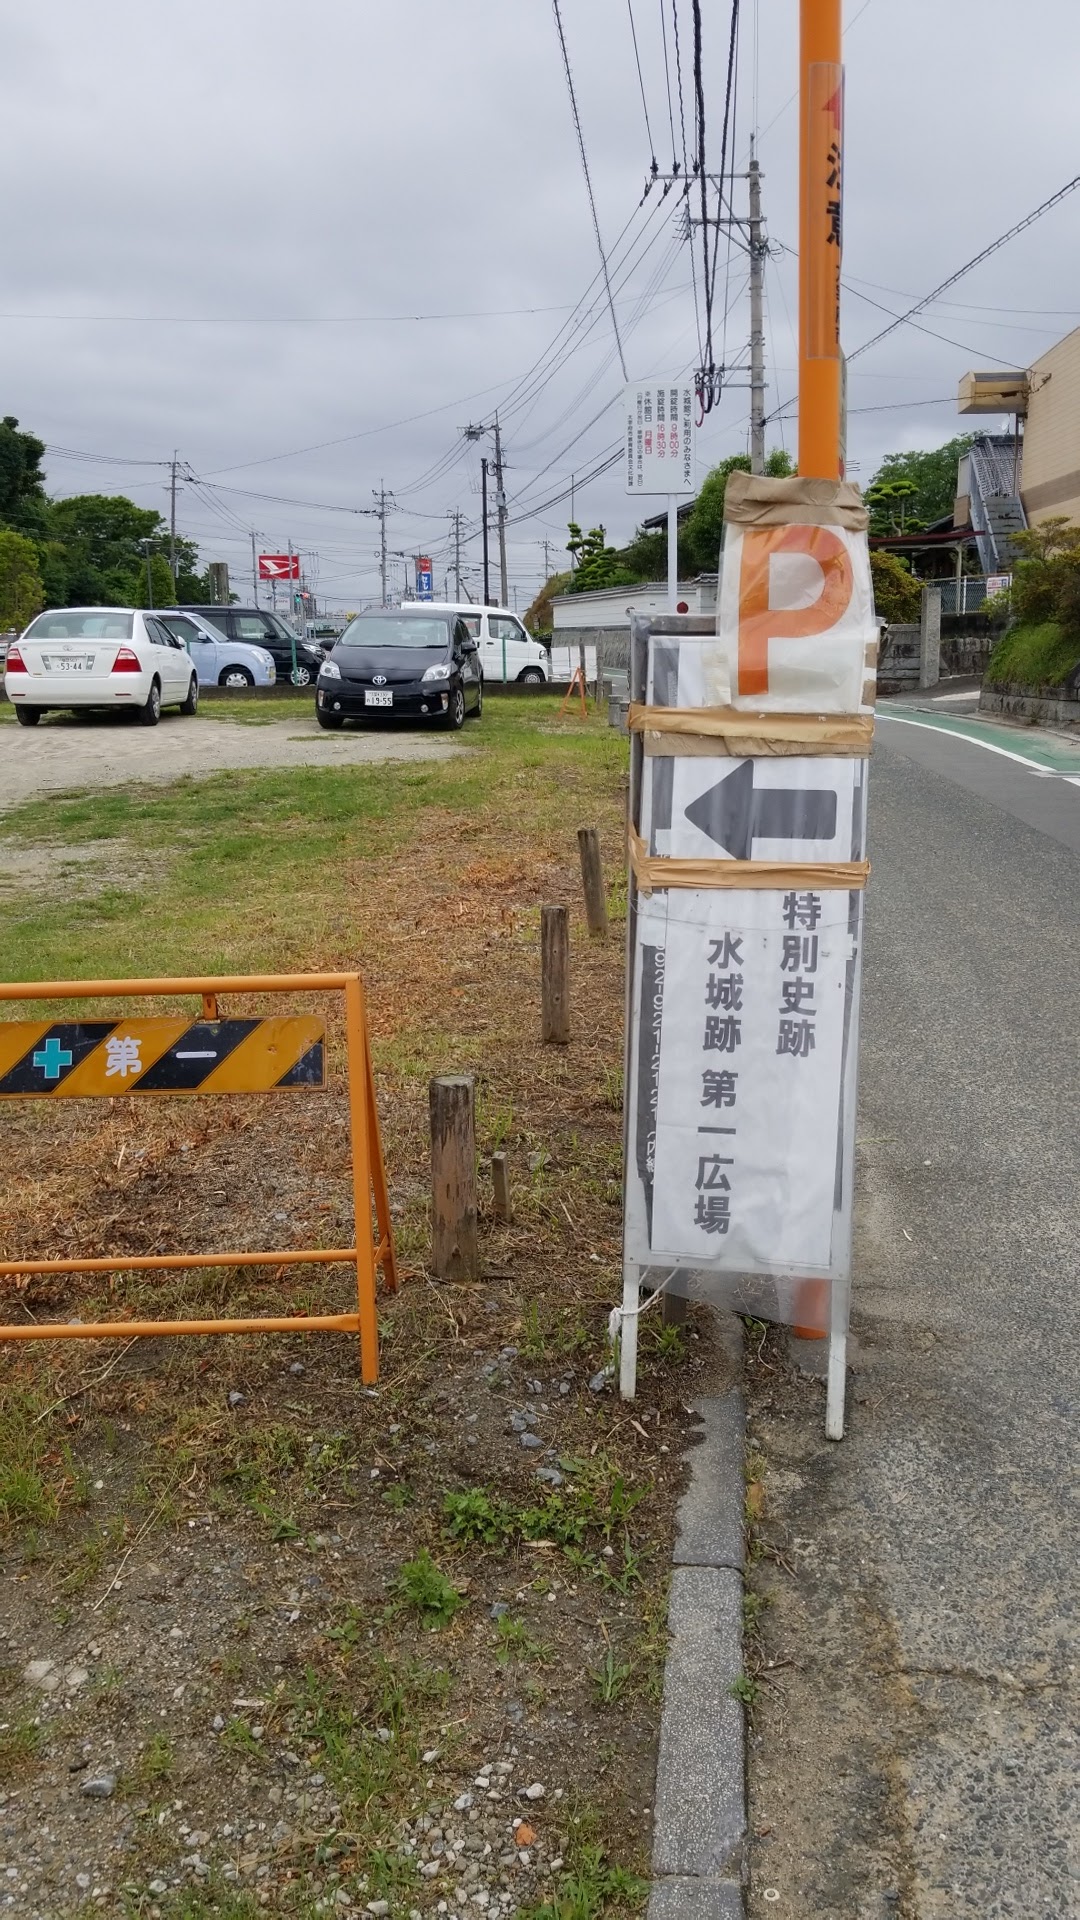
pixel 162 583
pixel 897 596
pixel 597 563
pixel 933 476
pixel 891 506
pixel 21 591
pixel 705 528
pixel 1046 577
pixel 539 618
pixel 102 535
pixel 22 486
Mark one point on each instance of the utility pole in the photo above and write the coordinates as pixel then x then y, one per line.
pixel 146 545
pixel 454 517
pixel 474 433
pixel 254 570
pixel 484 519
pixel 172 519
pixel 500 509
pixel 758 250
pixel 547 546
pixel 386 501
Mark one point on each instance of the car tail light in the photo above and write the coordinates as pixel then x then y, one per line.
pixel 15 661
pixel 126 662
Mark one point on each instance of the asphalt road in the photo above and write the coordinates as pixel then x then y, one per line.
pixel 926 1753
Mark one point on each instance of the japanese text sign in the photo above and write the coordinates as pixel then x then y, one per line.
pixel 660 437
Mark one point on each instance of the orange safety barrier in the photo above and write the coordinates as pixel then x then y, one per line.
pixel 30 1049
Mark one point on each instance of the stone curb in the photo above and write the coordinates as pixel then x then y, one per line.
pixel 700 1801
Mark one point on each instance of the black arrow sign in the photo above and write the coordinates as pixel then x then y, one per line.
pixel 735 813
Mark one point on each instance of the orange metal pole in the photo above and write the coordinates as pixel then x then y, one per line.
pixel 152 1329
pixel 355 1036
pixel 163 1262
pixel 199 983
pixel 820 236
pixel 384 1253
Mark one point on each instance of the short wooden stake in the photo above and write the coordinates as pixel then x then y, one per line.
pixel 592 879
pixel 555 976
pixel 455 1251
pixel 500 1182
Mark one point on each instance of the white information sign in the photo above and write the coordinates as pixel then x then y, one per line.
pixel 660 437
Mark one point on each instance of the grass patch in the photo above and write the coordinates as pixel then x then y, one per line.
pixel 423 1585
pixel 1042 656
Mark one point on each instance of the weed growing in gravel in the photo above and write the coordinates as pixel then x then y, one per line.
pixel 745 1689
pixel 610 1678
pixel 590 1889
pixel 515 1641
pixel 20 1746
pixel 421 1584
pixel 37 1472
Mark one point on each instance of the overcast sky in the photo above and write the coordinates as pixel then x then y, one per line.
pixel 217 217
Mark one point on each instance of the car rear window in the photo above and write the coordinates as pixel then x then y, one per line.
pixel 66 623
pixel 374 631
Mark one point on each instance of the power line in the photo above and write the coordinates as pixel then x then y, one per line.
pixel 654 169
pixel 902 319
pixel 588 181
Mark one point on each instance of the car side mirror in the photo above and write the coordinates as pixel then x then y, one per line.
pixel 469 646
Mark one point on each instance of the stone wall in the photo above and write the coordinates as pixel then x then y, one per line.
pixel 1052 706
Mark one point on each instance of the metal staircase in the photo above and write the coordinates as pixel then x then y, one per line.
pixel 997 511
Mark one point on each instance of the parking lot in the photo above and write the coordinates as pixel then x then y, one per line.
pixel 100 750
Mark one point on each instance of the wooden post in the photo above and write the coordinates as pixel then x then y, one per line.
pixel 592 879
pixel 500 1182
pixel 555 976
pixel 455 1252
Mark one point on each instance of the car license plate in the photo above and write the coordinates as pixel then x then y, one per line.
pixel 377 699
pixel 67 662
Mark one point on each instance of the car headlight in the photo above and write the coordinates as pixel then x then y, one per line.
pixel 330 670
pixel 440 671
pixel 266 658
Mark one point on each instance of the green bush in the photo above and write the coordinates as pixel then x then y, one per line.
pixel 1035 656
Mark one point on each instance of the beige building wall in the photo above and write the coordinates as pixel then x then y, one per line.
pixel 1050 482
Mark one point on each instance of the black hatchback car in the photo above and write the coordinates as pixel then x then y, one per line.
pixel 401 664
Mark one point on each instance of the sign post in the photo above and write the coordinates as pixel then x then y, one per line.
pixel 660 440
pixel 424 577
pixel 821 161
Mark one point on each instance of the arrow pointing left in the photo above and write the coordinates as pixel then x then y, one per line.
pixel 735 813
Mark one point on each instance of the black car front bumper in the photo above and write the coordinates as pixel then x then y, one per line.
pixel 411 701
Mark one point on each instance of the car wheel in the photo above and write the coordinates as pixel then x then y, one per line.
pixel 236 677
pixel 28 716
pixel 535 676
pixel 479 707
pixel 333 722
pixel 454 717
pixel 301 676
pixel 191 704
pixel 150 712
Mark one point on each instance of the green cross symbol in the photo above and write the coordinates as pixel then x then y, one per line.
pixel 53 1058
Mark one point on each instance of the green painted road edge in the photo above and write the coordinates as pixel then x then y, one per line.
pixel 1046 754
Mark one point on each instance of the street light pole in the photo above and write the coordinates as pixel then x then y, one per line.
pixel 484 519
pixel 821 88
pixel 757 320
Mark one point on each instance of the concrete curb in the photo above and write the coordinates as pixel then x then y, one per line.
pixel 700 1801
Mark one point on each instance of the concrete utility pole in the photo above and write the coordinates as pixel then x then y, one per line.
pixel 172 518
pixel 455 517
pixel 386 502
pixel 254 571
pixel 547 546
pixel 758 252
pixel 474 433
pixel 484 519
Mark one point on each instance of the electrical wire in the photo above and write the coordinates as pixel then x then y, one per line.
pixel 667 83
pixel 654 169
pixel 588 179
pixel 902 319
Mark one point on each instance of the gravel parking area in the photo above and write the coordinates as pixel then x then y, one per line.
pixel 103 751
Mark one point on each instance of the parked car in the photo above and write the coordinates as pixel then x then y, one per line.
pixel 99 657
pixel 402 664
pixel 507 652
pixel 268 630
pixel 218 661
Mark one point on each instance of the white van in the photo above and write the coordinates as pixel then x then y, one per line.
pixel 507 652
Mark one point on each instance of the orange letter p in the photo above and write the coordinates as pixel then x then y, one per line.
pixel 757 625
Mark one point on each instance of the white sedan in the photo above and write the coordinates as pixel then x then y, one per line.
pixel 99 657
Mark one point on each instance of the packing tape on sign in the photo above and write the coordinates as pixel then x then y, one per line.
pixel 654 873
pixel 675 731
